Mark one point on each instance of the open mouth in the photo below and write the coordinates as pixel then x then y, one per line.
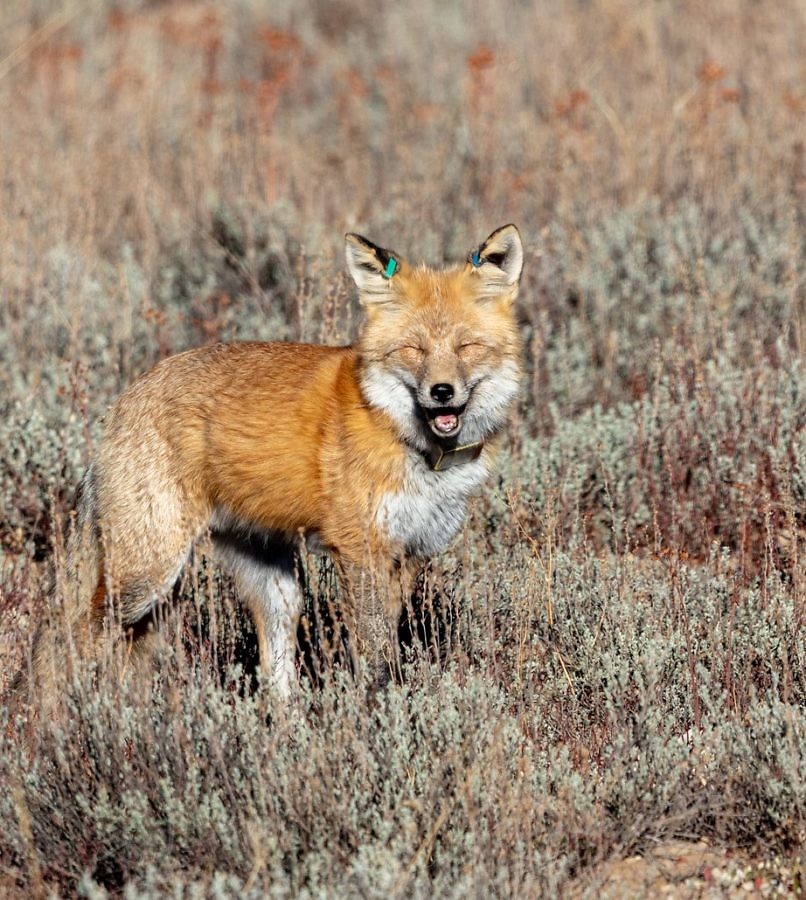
pixel 445 421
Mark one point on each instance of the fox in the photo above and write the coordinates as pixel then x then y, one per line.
pixel 370 452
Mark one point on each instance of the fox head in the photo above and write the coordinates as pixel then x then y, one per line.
pixel 440 349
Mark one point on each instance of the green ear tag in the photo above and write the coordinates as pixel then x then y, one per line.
pixel 391 267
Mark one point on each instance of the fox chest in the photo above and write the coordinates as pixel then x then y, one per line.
pixel 426 513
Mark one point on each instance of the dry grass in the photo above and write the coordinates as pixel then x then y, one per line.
pixel 615 648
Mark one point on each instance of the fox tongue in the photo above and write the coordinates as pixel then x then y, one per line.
pixel 446 422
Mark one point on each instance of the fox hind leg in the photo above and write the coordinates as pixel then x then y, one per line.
pixel 130 610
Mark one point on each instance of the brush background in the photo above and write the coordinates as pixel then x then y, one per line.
pixel 614 655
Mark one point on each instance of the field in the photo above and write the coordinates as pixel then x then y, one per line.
pixel 605 691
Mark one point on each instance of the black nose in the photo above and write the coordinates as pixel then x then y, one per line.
pixel 442 393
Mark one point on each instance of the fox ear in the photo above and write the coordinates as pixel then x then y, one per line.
pixel 499 260
pixel 371 267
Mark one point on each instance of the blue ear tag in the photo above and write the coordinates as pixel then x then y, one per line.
pixel 391 267
pixel 475 259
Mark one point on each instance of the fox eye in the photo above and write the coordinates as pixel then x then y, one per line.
pixel 409 354
pixel 409 348
pixel 473 349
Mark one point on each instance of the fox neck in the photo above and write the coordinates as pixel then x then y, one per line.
pixel 446 458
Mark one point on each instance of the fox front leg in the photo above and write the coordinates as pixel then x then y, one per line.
pixel 374 598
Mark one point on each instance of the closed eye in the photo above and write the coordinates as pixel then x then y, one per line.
pixel 473 352
pixel 410 347
pixel 409 355
pixel 478 346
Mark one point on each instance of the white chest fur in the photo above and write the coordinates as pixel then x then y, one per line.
pixel 428 511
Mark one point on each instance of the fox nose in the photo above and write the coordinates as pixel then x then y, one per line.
pixel 442 392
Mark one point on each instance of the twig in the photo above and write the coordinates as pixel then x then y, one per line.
pixel 45 31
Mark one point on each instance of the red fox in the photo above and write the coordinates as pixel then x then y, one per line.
pixel 371 450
